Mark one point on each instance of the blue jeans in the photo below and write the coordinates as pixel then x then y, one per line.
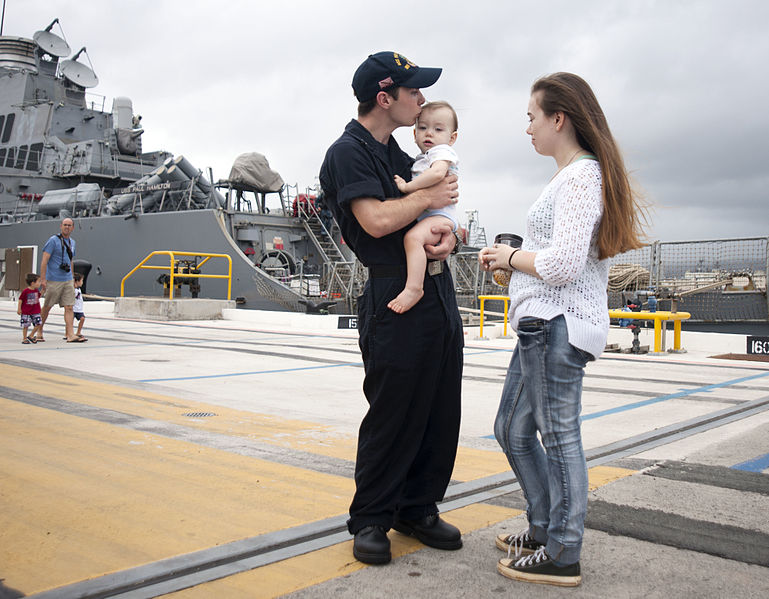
pixel 542 393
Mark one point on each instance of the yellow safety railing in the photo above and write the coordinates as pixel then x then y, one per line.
pixel 172 269
pixel 502 298
pixel 658 318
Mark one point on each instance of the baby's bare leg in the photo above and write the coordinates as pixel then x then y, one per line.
pixel 414 243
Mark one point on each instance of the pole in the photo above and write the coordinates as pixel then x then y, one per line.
pixel 766 273
pixel 2 21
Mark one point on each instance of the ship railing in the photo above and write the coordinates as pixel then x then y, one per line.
pixel 469 280
pixel 307 285
pixel 340 279
pixel 95 101
pixel 309 213
pixel 339 274
pixel 175 272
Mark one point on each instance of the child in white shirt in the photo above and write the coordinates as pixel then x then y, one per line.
pixel 435 133
pixel 77 307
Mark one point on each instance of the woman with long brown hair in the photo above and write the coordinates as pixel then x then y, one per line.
pixel 558 306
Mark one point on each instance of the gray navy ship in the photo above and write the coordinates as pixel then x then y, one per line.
pixel 62 154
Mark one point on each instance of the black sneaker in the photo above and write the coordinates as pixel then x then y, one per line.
pixel 538 567
pixel 517 544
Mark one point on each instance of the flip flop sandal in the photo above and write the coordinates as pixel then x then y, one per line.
pixel 26 342
pixel 31 339
pixel 77 340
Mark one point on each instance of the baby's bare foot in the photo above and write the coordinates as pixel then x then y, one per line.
pixel 406 300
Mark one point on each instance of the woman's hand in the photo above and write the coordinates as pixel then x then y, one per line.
pixel 497 256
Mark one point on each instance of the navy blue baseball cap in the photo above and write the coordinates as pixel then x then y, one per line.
pixel 389 69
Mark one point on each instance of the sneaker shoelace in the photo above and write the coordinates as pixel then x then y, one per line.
pixel 515 542
pixel 537 557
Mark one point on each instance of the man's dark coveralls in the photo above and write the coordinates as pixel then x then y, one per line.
pixel 413 361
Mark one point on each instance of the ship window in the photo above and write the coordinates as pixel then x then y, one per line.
pixel 2 121
pixel 8 127
pixel 35 154
pixel 21 157
pixel 10 158
pixel 2 156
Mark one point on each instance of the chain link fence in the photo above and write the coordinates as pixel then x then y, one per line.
pixel 721 280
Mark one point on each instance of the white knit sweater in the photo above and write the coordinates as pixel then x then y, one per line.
pixel 562 228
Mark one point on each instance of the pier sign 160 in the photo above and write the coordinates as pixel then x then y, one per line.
pixel 758 345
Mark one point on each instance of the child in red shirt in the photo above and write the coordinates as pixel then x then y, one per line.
pixel 29 309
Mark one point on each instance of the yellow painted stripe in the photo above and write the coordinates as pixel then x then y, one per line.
pixel 478 463
pixel 598 476
pixel 298 435
pixel 262 428
pixel 81 498
pixel 280 432
pixel 319 566
pixel 297 573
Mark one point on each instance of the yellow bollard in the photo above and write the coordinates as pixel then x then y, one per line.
pixel 658 317
pixel 502 298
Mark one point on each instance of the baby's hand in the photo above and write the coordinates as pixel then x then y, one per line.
pixel 401 183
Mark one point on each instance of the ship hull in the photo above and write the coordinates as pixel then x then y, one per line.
pixel 114 245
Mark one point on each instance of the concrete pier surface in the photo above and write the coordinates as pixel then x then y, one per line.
pixel 214 458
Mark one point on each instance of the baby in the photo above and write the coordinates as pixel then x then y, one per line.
pixel 435 133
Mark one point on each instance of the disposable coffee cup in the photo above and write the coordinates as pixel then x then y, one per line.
pixel 500 275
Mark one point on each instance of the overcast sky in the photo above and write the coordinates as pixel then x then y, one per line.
pixel 683 85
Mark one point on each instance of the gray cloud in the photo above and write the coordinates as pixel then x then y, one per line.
pixel 682 84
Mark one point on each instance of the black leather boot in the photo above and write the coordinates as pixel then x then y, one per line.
pixel 432 531
pixel 371 545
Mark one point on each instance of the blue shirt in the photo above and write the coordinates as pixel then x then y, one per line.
pixel 54 246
